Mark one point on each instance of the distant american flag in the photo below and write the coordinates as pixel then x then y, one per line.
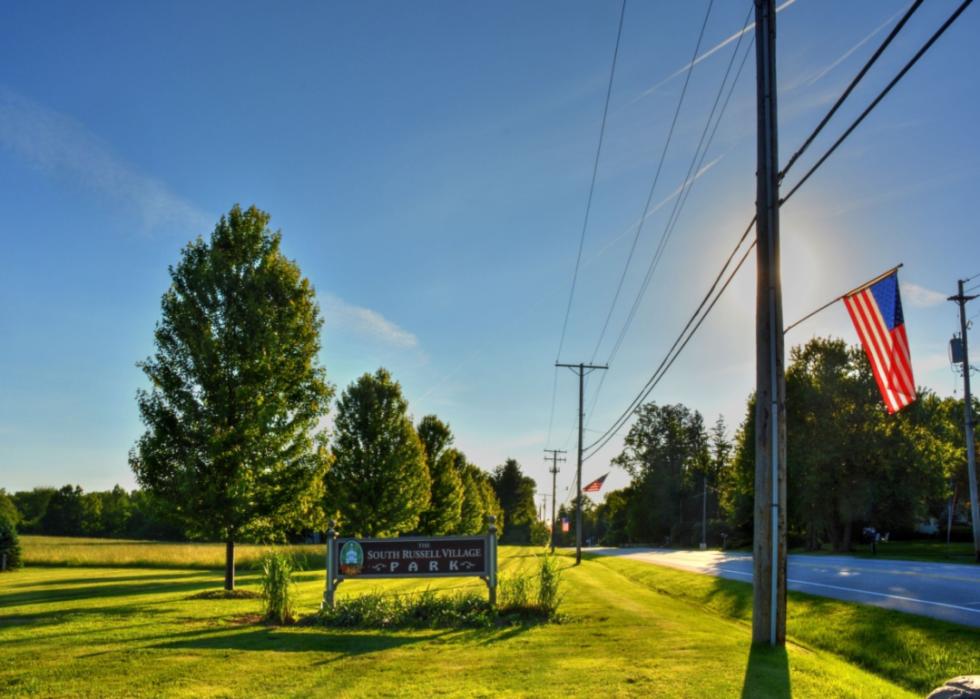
pixel 595 485
pixel 876 311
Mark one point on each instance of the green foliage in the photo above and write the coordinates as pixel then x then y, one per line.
pixel 10 545
pixel 849 463
pixel 515 492
pixel 379 483
pixel 666 452
pixel 444 513
pixel 65 511
pixel 529 595
pixel 236 390
pixel 8 510
pixel 420 610
pixel 516 589
pixel 277 582
pixel 549 585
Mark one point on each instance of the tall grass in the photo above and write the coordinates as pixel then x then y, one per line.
pixel 123 553
pixel 277 584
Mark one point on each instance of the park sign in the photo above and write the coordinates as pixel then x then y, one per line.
pixel 411 557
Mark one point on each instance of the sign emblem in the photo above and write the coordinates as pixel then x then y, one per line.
pixel 351 558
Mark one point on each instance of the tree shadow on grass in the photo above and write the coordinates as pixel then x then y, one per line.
pixel 96 579
pixel 284 640
pixel 109 588
pixel 767 673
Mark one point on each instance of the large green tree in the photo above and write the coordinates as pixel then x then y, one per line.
pixel 237 391
pixel 446 495
pixel 515 492
pixel 379 484
pixel 666 452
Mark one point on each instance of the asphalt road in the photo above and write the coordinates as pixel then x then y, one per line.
pixel 945 591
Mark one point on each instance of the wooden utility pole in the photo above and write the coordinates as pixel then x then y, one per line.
pixel 581 369
pixel 971 453
pixel 554 489
pixel 769 540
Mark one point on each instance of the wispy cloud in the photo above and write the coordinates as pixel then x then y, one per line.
pixel 847 54
pixel 654 209
pixel 365 323
pixel 61 146
pixel 921 297
pixel 707 54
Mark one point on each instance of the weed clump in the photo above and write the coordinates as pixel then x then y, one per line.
pixel 277 581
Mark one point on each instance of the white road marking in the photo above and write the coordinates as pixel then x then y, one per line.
pixel 795 581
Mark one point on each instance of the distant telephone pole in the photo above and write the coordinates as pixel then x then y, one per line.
pixel 554 489
pixel 971 454
pixel 769 529
pixel 581 369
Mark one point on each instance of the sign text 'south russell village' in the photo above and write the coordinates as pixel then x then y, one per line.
pixel 407 557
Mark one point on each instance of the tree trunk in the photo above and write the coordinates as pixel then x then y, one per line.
pixel 230 565
pixel 846 544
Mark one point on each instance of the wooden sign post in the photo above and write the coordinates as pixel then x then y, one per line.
pixel 411 557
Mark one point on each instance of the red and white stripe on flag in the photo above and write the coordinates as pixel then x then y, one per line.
pixel 887 347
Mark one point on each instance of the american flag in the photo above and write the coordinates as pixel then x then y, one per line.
pixel 564 524
pixel 876 310
pixel 595 485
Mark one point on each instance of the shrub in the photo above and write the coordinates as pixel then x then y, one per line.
pixel 9 546
pixel 516 590
pixel 549 584
pixel 423 610
pixel 277 580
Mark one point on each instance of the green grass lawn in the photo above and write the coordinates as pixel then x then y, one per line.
pixel 930 550
pixel 631 630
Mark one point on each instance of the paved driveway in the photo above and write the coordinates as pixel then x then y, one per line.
pixel 947 591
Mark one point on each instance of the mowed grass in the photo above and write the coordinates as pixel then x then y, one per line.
pixel 139 631
pixel 916 652
pixel 929 550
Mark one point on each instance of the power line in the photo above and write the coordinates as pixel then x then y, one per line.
pixel 668 360
pixel 679 344
pixel 850 88
pixel 595 171
pixel 656 179
pixel 675 214
pixel 665 236
pixel 881 95
pixel 588 210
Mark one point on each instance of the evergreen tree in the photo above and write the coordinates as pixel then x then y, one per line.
pixel 379 484
pixel 236 389
pixel 515 492
pixel 10 554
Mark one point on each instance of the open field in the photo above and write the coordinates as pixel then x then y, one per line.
pixel 632 630
pixel 82 552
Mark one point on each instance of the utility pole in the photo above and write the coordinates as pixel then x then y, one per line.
pixel 704 512
pixel 581 369
pixel 554 489
pixel 769 535
pixel 971 453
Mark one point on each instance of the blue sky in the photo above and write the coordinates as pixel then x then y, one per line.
pixel 428 165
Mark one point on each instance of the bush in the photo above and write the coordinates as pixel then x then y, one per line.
pixel 277 580
pixel 516 590
pixel 9 546
pixel 423 610
pixel 549 586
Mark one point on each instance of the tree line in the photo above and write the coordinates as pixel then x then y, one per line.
pixel 236 446
pixel 850 465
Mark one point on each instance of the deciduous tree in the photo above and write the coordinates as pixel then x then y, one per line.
pixel 237 391
pixel 379 483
